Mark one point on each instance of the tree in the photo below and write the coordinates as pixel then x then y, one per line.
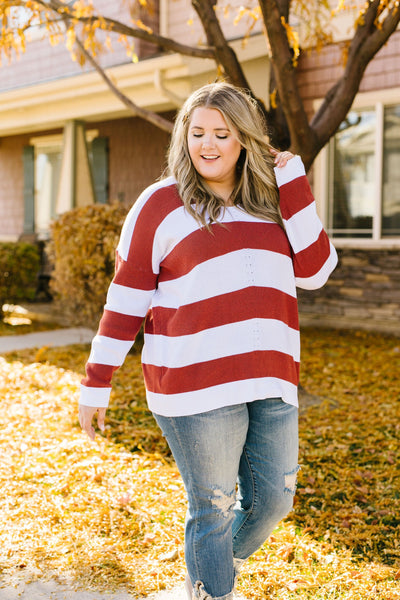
pixel 79 24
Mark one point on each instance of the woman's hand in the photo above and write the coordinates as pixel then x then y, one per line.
pixel 86 414
pixel 281 158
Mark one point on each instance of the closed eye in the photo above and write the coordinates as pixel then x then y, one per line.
pixel 221 136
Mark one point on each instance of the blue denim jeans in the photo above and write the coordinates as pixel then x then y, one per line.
pixel 239 466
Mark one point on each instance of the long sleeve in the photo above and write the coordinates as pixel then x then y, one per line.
pixel 129 295
pixel 314 257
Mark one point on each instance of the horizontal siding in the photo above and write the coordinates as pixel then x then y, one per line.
pixel 318 71
pixel 43 62
pixel 180 13
pixel 137 153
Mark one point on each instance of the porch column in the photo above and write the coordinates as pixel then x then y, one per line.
pixel 76 185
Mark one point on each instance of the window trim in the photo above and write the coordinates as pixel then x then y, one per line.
pixel 44 142
pixel 322 167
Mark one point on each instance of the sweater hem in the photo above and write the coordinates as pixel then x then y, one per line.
pixel 207 399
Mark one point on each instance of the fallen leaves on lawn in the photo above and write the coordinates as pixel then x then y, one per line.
pixel 111 513
pixel 85 510
pixel 350 445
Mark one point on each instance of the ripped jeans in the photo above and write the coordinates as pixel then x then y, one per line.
pixel 239 466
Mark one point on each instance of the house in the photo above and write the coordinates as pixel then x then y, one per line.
pixel 66 140
pixel 357 187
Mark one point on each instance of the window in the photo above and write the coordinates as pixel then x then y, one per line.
pixel 363 174
pixel 391 173
pixel 47 178
pixel 62 171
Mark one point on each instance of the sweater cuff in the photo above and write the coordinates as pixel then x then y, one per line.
pixel 293 169
pixel 92 396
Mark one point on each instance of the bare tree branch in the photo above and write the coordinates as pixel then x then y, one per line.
pixel 138 111
pixel 366 42
pixel 285 77
pixel 166 44
pixel 278 127
pixel 284 8
pixel 223 53
pixel 115 26
pixel 148 115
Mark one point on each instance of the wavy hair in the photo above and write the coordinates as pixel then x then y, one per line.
pixel 256 191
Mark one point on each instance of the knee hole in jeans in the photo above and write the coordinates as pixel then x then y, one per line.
pixel 291 481
pixel 223 502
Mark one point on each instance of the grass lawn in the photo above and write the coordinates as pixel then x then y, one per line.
pixel 111 513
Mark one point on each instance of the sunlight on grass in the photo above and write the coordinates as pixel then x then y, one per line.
pixel 16 315
pixel 111 513
pixel 17 321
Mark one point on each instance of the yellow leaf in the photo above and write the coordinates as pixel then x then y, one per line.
pixel 272 99
pixel 141 25
pixel 241 12
pixel 293 39
pixel 71 38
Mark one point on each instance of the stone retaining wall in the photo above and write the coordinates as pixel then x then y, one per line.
pixel 363 291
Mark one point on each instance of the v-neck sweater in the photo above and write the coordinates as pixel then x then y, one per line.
pixel 220 307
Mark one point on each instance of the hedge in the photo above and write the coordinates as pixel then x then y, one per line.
pixel 82 250
pixel 19 268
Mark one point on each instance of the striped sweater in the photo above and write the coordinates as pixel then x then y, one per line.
pixel 220 308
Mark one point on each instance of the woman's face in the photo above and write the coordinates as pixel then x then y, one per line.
pixel 214 149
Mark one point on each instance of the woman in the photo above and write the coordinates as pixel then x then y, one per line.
pixel 211 257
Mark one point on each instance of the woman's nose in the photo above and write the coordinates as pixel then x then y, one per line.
pixel 208 141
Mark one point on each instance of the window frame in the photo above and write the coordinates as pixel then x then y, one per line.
pixel 40 142
pixel 376 100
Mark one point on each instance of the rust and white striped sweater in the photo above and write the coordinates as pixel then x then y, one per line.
pixel 221 312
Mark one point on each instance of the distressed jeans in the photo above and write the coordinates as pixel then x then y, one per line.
pixel 239 465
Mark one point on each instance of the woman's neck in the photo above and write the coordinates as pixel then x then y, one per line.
pixel 225 192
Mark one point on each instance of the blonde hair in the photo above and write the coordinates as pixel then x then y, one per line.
pixel 256 190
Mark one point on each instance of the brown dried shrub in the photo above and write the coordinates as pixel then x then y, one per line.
pixel 82 249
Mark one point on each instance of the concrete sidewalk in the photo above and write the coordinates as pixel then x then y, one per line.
pixel 52 590
pixel 55 337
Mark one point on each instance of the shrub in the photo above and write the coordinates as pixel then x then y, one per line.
pixel 19 267
pixel 82 249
